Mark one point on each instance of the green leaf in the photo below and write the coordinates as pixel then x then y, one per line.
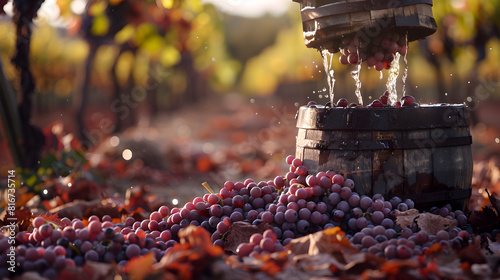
pixel 30 182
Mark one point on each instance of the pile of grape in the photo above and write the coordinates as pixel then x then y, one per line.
pixel 381 102
pixel 295 205
pixel 378 52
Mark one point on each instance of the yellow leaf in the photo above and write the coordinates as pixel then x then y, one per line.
pixel 167 4
pixel 31 180
pixel 153 45
pixel 125 34
pixel 98 8
pixel 170 56
pixel 100 25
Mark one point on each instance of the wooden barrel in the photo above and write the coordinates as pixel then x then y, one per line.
pixel 422 153
pixel 326 22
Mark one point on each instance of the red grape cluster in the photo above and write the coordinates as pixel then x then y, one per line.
pixel 378 52
pixel 295 205
pixel 381 102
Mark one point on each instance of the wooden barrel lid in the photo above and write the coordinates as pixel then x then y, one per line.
pixel 390 118
pixel 326 22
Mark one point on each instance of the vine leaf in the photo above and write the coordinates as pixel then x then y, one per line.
pixel 428 222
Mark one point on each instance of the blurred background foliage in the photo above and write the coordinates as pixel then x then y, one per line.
pixel 253 55
pixel 165 40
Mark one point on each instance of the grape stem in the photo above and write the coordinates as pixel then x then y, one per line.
pixel 207 187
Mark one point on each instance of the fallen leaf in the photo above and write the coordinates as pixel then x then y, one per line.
pixel 491 248
pixel 471 254
pixel 140 267
pixel 361 262
pixel 405 219
pixel 432 223
pixel 192 256
pixel 329 240
pixel 484 220
pixel 429 222
pixel 98 270
pixel 240 232
pixel 399 269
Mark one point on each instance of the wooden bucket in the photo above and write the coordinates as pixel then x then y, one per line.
pixel 326 22
pixel 422 153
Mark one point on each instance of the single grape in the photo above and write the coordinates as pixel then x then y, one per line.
pixel 368 241
pixel 377 217
pixel 338 215
pixel 267 244
pixel 365 203
pixel 316 217
pixel 404 252
pixel 391 252
pixel 361 222
pixel 303 226
pixel 291 215
pixel 354 200
pixel 244 250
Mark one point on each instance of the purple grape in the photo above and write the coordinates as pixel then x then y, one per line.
pixel 316 217
pixel 303 226
pixel 291 215
pixel 365 203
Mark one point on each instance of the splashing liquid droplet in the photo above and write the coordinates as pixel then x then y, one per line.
pixel 392 79
pixel 405 74
pixel 327 63
pixel 355 76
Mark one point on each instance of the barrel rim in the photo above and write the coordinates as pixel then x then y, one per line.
pixel 383 119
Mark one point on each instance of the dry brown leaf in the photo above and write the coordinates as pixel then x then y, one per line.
pixel 491 248
pixel 433 223
pixel 140 267
pixel 97 270
pixel 406 218
pixel 330 240
pixel 429 222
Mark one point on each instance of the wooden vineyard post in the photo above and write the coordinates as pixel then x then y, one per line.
pixel 10 117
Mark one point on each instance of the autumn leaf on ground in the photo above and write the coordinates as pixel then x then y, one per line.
pixel 360 262
pixel 318 265
pixel 400 269
pixel 240 232
pixel 484 220
pixel 433 223
pixel 471 254
pixel 405 219
pixel 140 267
pixel 98 270
pixel 192 256
pixel 491 248
pixel 428 222
pixel 271 264
pixel 327 241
